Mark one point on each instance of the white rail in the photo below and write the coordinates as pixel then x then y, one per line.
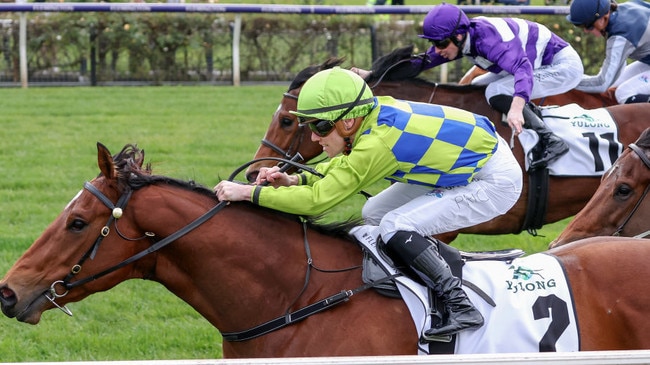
pixel 573 358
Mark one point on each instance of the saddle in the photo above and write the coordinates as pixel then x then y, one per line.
pixel 383 275
pixel 373 272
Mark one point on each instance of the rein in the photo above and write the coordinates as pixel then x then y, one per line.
pixel 116 213
pixel 646 162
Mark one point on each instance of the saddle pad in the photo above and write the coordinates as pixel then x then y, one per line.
pixel 592 136
pixel 414 295
pixel 534 309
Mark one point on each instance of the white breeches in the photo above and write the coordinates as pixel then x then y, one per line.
pixel 427 211
pixel 562 75
pixel 634 80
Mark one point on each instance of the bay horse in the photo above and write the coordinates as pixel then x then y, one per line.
pixel 566 195
pixel 619 206
pixel 240 265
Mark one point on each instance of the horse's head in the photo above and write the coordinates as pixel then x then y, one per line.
pixel 47 274
pixel 620 205
pixel 285 137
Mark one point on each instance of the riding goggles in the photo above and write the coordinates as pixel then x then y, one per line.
pixel 442 43
pixel 319 127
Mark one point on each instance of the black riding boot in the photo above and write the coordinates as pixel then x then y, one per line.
pixel 552 145
pixel 638 98
pixel 422 257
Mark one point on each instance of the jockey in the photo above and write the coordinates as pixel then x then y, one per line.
pixel 450 167
pixel 542 65
pixel 626 28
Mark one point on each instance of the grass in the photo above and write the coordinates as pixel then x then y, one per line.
pixel 48 150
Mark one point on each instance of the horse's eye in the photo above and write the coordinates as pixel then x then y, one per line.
pixel 286 122
pixel 623 191
pixel 77 225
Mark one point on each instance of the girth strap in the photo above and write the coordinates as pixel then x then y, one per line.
pixel 300 314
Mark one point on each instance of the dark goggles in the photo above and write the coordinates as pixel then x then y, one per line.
pixel 320 127
pixel 442 43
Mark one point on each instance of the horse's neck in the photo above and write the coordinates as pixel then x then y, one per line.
pixel 243 259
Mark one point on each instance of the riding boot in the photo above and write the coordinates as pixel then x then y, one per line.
pixel 552 145
pixel 423 258
pixel 638 98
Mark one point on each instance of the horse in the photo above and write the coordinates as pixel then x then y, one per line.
pixel 619 207
pixel 566 195
pixel 240 265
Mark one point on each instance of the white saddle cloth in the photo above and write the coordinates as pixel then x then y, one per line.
pixel 534 309
pixel 592 136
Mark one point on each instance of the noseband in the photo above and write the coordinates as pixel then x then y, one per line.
pixel 646 162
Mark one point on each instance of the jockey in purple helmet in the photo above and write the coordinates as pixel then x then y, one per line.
pixel 627 30
pixel 525 61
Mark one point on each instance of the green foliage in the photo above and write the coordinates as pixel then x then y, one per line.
pixel 191 47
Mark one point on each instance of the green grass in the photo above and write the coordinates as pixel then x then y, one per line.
pixel 48 150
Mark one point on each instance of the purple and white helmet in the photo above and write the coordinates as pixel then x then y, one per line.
pixel 444 21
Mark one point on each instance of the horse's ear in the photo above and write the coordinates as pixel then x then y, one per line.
pixel 105 161
pixel 139 159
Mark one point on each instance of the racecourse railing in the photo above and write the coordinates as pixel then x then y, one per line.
pixel 331 41
pixel 545 358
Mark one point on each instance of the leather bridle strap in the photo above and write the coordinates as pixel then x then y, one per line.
pixel 646 162
pixel 153 248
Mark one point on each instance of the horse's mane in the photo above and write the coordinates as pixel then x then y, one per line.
pixel 129 161
pixel 396 67
pixel 308 72
pixel 644 139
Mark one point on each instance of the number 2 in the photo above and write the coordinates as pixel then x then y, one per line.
pixel 542 308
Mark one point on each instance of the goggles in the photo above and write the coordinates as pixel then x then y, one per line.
pixel 441 44
pixel 319 127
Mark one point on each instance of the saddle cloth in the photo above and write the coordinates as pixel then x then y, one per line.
pixel 534 309
pixel 592 136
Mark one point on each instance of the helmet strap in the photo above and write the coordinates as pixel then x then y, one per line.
pixel 354 103
pixel 348 146
pixel 459 43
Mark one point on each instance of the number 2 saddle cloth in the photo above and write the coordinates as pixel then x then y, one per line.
pixel 533 308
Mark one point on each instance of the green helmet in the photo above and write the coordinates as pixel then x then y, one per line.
pixel 334 94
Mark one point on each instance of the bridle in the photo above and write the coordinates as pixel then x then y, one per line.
pixel 117 210
pixel 116 213
pixel 296 141
pixel 287 319
pixel 646 162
